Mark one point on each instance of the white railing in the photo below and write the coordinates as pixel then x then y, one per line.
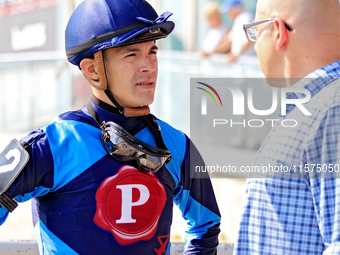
pixel 34 87
pixel 31 248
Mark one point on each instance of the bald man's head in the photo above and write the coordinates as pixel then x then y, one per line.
pixel 313 42
pixel 301 12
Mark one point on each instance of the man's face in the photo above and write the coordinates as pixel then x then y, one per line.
pixel 132 73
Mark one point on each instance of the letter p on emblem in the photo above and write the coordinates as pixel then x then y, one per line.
pixel 127 202
pixel 129 205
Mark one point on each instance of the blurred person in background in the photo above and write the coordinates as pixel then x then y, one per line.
pixel 215 40
pixel 297 211
pixel 239 45
pixel 104 179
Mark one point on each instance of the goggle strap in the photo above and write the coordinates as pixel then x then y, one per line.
pixel 93 113
pixel 154 128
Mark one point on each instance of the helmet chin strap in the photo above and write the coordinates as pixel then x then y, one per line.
pixel 127 111
pixel 102 84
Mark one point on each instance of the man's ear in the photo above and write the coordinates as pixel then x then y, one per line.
pixel 94 71
pixel 281 33
pixel 87 66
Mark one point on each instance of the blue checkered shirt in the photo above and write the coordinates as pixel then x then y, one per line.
pixel 298 213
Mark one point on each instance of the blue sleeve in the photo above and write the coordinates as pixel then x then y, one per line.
pixel 195 198
pixel 37 177
pixel 52 164
pixel 193 194
pixel 3 215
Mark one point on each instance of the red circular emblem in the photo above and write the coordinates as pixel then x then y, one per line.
pixel 129 205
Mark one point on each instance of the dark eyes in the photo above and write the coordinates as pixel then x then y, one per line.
pixel 134 54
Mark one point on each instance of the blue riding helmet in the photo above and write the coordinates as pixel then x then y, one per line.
pixel 100 24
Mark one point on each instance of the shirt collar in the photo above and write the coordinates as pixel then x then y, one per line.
pixel 315 82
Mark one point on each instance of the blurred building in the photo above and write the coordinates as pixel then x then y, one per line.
pixel 35 80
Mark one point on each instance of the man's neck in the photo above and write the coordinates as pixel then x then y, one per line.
pixel 104 105
pixel 100 95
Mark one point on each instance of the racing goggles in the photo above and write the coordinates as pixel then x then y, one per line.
pixel 122 146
